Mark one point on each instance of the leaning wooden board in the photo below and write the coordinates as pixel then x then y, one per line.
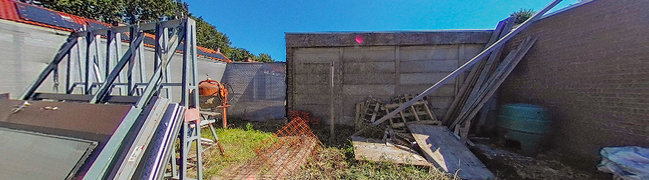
pixel 447 153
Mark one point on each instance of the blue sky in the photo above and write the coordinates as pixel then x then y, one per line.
pixel 259 26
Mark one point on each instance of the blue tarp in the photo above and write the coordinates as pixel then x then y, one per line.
pixel 627 162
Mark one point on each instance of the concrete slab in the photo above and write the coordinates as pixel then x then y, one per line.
pixel 368 67
pixel 369 53
pixel 364 79
pixel 418 53
pixel 420 78
pixel 428 66
pixel 366 149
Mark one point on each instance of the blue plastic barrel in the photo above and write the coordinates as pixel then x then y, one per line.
pixel 528 124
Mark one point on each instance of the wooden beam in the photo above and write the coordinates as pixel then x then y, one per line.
pixel 468 64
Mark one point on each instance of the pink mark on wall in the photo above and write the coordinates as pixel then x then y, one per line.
pixel 359 39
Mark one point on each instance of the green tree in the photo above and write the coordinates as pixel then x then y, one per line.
pixel 134 11
pixel 522 15
pixel 103 10
pixel 263 57
pixel 208 36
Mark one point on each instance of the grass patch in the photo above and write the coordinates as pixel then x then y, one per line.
pixel 238 144
pixel 336 161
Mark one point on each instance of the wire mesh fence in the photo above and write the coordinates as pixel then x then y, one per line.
pixel 282 154
pixel 257 90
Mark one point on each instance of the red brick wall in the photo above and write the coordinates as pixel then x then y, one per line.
pixel 590 67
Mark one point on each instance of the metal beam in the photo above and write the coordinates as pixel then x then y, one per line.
pixel 115 72
pixel 64 50
pixel 107 155
pixel 90 38
pixel 131 60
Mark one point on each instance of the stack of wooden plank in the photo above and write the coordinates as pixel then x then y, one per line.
pixel 440 146
pixel 483 80
pixel 370 110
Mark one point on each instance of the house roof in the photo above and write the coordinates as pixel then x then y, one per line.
pixel 39 16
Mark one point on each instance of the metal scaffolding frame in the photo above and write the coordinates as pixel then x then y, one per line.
pixel 117 83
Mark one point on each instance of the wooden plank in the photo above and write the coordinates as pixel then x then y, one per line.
pixel 460 98
pixel 479 57
pixel 446 152
pixel 497 79
pixel 366 149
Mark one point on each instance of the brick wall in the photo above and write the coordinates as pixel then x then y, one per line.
pixel 590 67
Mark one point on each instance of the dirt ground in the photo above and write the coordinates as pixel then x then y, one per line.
pixel 337 161
pixel 506 163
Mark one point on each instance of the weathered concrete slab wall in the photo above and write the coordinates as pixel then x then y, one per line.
pixel 590 67
pixel 385 65
pixel 25 50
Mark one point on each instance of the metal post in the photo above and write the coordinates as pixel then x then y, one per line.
pixel 115 72
pixel 142 63
pixel 165 55
pixel 109 44
pixel 97 60
pixel 86 80
pixel 133 47
pixel 191 38
pixel 65 49
pixel 79 64
pixel 67 73
pixel 331 104
pixel 118 53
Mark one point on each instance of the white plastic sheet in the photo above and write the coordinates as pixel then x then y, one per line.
pixel 627 162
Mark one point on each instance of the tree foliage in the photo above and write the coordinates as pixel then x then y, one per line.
pixel 522 15
pixel 263 57
pixel 134 11
pixel 124 11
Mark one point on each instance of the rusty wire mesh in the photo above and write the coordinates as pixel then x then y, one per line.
pixel 278 156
